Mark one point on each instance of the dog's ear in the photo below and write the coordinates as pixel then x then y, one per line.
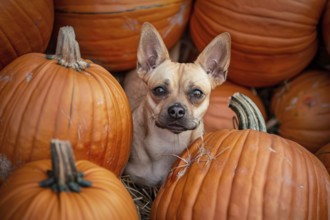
pixel 215 58
pixel 151 50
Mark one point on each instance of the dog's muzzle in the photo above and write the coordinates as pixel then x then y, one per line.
pixel 176 119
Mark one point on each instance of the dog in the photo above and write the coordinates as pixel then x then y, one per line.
pixel 168 101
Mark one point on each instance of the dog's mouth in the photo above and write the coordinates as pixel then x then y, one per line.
pixel 176 127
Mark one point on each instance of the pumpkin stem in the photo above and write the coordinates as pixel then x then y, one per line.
pixel 64 175
pixel 67 50
pixel 249 116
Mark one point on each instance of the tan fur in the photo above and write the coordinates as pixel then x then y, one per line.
pixel 164 125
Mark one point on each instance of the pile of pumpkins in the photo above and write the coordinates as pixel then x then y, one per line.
pixel 72 94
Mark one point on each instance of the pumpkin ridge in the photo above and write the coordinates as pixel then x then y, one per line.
pixel 73 82
pixel 311 192
pixel 267 170
pixel 118 126
pixel 41 108
pixel 19 203
pixel 166 201
pixel 114 94
pixel 22 36
pixel 79 205
pixel 217 154
pixel 293 176
pixel 107 92
pixel 250 209
pixel 87 205
pixel 26 15
pixel 292 46
pixel 282 187
pixel 7 198
pixel 35 201
pixel 237 165
pixel 265 15
pixel 11 45
pixel 64 83
pixel 305 180
pixel 92 118
pixel 274 195
pixel 318 184
pixel 133 9
pixel 185 185
pixel 224 163
pixel 41 77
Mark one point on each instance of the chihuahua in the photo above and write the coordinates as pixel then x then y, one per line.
pixel 168 101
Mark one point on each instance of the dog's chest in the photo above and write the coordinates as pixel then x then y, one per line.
pixel 166 143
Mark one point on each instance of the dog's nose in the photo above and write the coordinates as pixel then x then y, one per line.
pixel 176 111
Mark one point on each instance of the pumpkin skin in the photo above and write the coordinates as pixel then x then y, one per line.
pixel 219 115
pixel 23 198
pixel 326 27
pixel 244 175
pixel 324 155
pixel 41 100
pixel 302 109
pixel 271 40
pixel 16 18
pixel 113 27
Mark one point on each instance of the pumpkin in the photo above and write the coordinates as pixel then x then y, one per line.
pixel 219 115
pixel 108 31
pixel 64 189
pixel 244 174
pixel 271 40
pixel 302 109
pixel 324 155
pixel 62 96
pixel 326 27
pixel 25 27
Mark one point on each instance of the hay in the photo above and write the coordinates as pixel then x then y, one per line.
pixel 143 196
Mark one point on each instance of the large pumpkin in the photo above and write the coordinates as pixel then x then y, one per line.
pixel 25 27
pixel 302 109
pixel 63 97
pixel 324 155
pixel 244 174
pixel 326 27
pixel 219 115
pixel 271 40
pixel 71 190
pixel 108 31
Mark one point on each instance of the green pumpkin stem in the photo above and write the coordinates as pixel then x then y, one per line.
pixel 67 50
pixel 248 114
pixel 64 175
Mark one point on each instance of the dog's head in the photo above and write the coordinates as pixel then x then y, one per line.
pixel 178 93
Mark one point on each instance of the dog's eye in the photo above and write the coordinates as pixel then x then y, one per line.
pixel 159 91
pixel 197 94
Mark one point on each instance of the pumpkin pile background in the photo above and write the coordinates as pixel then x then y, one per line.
pixel 280 58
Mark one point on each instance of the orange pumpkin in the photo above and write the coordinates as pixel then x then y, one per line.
pixel 302 109
pixel 271 40
pixel 324 155
pixel 25 27
pixel 244 174
pixel 108 31
pixel 326 27
pixel 219 115
pixel 63 97
pixel 80 190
